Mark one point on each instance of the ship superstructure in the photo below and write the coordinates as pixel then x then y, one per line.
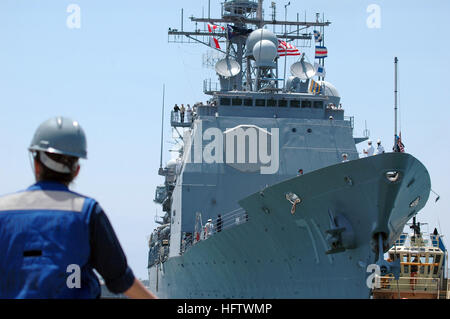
pixel 261 165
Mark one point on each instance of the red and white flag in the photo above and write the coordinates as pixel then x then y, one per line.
pixel 287 49
pixel 212 28
pixel 214 43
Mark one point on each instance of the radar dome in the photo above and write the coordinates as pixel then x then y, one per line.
pixel 265 52
pixel 258 35
pixel 330 89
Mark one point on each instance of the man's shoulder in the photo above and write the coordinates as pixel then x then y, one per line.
pixel 30 199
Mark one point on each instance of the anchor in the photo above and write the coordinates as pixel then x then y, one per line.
pixel 387 267
pixel 340 236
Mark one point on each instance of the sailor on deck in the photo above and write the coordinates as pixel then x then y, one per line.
pixel 370 150
pixel 176 109
pixel 188 114
pixel 52 239
pixel 380 148
pixel 344 158
pixel 209 228
pixel 182 110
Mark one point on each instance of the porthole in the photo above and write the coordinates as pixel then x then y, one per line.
pixel 393 176
pixel 309 130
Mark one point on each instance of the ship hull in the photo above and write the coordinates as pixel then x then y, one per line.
pixel 278 254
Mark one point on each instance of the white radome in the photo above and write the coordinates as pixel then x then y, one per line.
pixel 264 52
pixel 258 35
pixel 330 89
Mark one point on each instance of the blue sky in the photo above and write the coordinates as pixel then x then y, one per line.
pixel 109 75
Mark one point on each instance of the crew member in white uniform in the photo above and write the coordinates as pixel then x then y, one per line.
pixel 209 228
pixel 344 158
pixel 370 150
pixel 380 148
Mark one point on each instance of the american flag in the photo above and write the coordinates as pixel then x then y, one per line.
pixel 287 49
pixel 400 144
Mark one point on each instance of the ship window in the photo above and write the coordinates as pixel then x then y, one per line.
pixel 306 103
pixel 282 103
pixel 225 101
pixel 260 102
pixel 248 102
pixel 271 102
pixel 435 270
pixel 318 104
pixel 422 269
pixel 406 269
pixel 295 103
pixel 438 259
pixel 236 101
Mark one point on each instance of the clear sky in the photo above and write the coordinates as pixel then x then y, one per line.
pixel 109 73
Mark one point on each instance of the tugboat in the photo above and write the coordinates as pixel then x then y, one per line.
pixel 422 273
pixel 258 202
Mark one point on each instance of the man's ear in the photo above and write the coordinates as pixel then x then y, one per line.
pixel 77 171
pixel 37 169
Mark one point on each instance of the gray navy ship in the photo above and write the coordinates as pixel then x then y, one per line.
pixel 258 200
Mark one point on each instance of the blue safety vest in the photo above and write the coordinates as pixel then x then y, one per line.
pixel 44 244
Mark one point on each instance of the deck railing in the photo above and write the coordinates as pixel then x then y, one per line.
pixel 409 285
pixel 231 219
pixel 209 86
pixel 448 288
pixel 177 120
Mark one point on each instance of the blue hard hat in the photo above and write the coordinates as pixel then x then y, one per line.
pixel 60 135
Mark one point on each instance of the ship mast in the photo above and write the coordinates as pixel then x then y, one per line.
pixel 395 99
pixel 239 19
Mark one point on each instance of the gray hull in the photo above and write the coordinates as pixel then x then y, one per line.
pixel 277 254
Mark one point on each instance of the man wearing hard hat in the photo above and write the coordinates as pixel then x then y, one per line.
pixel 52 239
